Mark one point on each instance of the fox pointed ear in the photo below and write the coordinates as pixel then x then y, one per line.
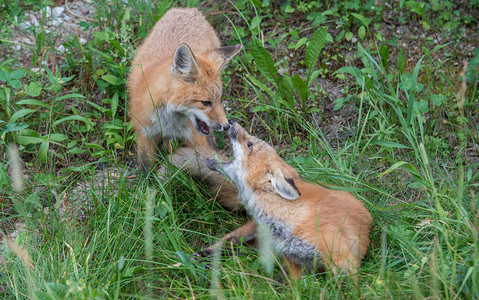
pixel 184 64
pixel 285 187
pixel 223 55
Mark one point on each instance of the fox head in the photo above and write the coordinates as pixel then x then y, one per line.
pixel 256 167
pixel 197 83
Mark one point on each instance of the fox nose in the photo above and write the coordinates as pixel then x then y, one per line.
pixel 226 127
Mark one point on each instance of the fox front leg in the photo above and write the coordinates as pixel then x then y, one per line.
pixel 246 233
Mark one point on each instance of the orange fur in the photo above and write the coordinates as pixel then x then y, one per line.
pixel 175 78
pixel 334 223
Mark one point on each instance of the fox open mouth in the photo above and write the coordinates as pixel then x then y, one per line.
pixel 202 127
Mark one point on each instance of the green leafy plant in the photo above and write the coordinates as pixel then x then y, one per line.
pixel 348 102
pixel 289 93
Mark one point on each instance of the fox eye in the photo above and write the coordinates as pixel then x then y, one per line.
pixel 206 103
pixel 250 145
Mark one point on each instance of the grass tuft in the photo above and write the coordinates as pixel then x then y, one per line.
pixel 379 100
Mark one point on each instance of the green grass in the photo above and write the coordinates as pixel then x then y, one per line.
pixel 346 99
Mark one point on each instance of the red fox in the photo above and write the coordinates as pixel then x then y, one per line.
pixel 308 222
pixel 175 85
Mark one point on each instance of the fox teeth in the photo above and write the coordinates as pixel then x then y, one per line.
pixel 203 127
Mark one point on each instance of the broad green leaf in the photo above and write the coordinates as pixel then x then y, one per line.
pixel 362 32
pixel 4 177
pixel 17 74
pixel 58 137
pixel 79 169
pixel 56 290
pixel 421 106
pixel 426 25
pixel 416 7
pixel 15 84
pixel 34 89
pixel 106 56
pixel 101 35
pixel 389 144
pixel 286 89
pixel 76 150
pixel 98 107
pixel 72 143
pixel 401 62
pixel 28 139
pixel 410 107
pixel 255 22
pixel 416 185
pixel 401 164
pixel 288 9
pixel 301 87
pixel 87 121
pixel 261 85
pixel 314 75
pixel 69 96
pixel 13 127
pixel 314 49
pixel 352 71
pixel 260 107
pixel 384 53
pixel 406 83
pixel 20 113
pixel 114 105
pixel 33 102
pixel 299 43
pixel 116 44
pixel 361 18
pixel 185 259
pixel 94 146
pixel 264 61
pixel 379 36
pixel 3 75
pixel 33 202
pixel 472 67
pixel 338 103
pixel 438 99
pixel 129 272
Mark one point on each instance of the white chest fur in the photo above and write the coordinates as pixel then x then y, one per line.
pixel 169 121
pixel 285 242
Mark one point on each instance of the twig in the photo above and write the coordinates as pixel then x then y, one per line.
pixel 77 15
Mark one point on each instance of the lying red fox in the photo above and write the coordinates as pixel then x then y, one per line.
pixel 308 222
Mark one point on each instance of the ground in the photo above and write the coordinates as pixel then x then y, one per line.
pixel 411 157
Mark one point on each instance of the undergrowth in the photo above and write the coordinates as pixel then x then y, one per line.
pixel 380 100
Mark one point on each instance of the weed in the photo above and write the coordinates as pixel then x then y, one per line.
pixel 360 96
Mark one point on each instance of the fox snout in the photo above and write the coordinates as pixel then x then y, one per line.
pixel 220 127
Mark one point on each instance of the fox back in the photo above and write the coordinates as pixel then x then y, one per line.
pixel 308 222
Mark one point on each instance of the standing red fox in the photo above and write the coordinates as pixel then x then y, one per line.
pixel 308 222
pixel 175 85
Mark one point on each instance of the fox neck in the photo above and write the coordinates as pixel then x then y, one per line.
pixel 282 229
pixel 171 120
pixel 259 202
pixel 275 207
